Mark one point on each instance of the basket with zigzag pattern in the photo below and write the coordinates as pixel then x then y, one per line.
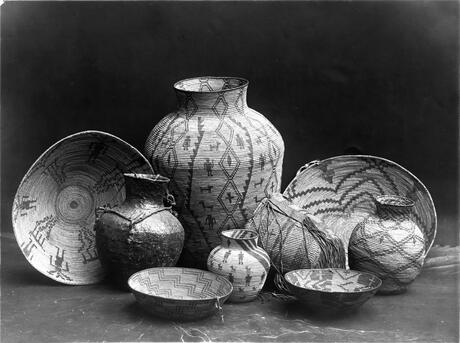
pixel 340 191
pixel 180 293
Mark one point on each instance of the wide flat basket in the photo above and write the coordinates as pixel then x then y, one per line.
pixel 340 191
pixel 332 288
pixel 53 210
pixel 180 293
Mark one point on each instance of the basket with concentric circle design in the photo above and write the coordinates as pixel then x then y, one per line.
pixel 53 210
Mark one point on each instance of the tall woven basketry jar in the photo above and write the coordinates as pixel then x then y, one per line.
pixel 222 158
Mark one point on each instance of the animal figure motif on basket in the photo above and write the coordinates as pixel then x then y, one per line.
pixel 221 156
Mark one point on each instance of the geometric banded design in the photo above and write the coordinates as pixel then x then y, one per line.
pixel 390 245
pixel 332 289
pixel 344 188
pixel 222 164
pixel 180 293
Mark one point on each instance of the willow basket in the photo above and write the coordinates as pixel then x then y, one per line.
pixel 53 211
pixel 341 192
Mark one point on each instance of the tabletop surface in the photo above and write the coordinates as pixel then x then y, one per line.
pixel 37 309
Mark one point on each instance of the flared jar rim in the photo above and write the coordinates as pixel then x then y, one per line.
pixel 232 234
pixel 243 83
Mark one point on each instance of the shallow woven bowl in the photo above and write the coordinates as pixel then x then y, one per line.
pixel 53 210
pixel 340 191
pixel 332 289
pixel 180 293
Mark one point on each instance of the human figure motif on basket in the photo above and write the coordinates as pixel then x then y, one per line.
pixel 239 141
pixel 208 166
pixel 186 143
pixel 240 257
pixel 210 221
pixel 224 163
pixel 58 265
pixel 23 206
pixel 248 276
pixel 227 255
pixel 262 161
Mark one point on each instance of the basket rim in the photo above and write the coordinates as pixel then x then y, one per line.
pixel 288 274
pixel 313 163
pixel 218 277
pixel 147 177
pixel 16 230
pixel 245 83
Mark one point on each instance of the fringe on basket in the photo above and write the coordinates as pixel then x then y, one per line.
pixel 333 253
pixel 280 283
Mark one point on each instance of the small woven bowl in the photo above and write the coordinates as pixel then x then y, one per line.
pixel 332 289
pixel 180 293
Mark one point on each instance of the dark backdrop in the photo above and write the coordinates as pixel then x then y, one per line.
pixel 380 78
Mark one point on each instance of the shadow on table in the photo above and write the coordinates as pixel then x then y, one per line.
pixel 299 311
pixel 26 277
pixel 136 312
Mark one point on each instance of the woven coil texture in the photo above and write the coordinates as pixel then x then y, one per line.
pixel 222 158
pixel 54 207
pixel 341 191
pixel 292 240
pixel 337 289
pixel 242 262
pixel 180 293
pixel 389 245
